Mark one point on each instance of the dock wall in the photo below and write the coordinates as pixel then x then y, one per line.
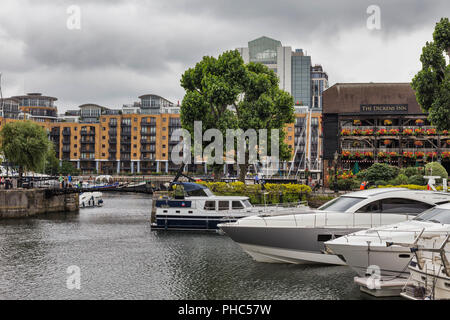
pixel 31 202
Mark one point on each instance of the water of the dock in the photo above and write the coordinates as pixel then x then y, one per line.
pixel 121 258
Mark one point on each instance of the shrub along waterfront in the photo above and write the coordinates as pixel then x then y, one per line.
pixel 384 175
pixel 272 193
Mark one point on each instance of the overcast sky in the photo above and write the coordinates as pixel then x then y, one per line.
pixel 128 48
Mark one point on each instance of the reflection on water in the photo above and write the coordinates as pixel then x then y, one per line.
pixel 121 258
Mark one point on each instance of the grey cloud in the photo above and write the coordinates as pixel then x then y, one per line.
pixel 127 48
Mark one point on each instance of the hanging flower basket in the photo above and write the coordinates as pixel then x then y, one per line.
pixel 418 143
pixel 382 155
pixel 387 142
pixel 420 122
pixel 356 122
pixel 357 155
pixel 448 142
pixel 387 122
pixel 345 132
pixel 445 155
pixel 444 132
pixel 356 132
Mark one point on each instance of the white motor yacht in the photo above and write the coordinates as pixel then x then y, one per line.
pixel 379 248
pixel 300 237
pixel 91 199
pixel 195 207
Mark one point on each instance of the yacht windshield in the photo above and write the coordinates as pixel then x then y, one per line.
pixel 437 215
pixel 340 204
pixel 246 203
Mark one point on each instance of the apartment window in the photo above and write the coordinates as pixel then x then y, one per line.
pixel 164 128
pixel 135 119
pixel 135 138
pixel 135 128
pixel 164 137
pixel 103 146
pixel 103 154
pixel 75 128
pixel 75 154
pixel 76 137
pixel 104 128
pixel 104 138
pixel 164 119
pixel 164 146
pixel 75 146
pixel 134 146
pixel 163 154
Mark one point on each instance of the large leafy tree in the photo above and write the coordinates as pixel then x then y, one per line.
pixel 225 93
pixel 25 144
pixel 432 83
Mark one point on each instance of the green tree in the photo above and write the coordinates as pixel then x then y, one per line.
pixel 51 166
pixel 436 169
pixel 224 93
pixel 67 168
pixel 25 144
pixel 432 83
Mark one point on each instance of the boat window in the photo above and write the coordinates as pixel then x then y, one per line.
pixel 210 205
pixel 197 193
pixel 398 205
pixel 341 203
pixel 371 207
pixel 437 215
pixel 224 205
pixel 237 205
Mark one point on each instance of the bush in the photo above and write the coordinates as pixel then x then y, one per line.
pixel 413 171
pixel 347 184
pixel 417 180
pixel 378 171
pixel 436 169
pixel 400 179
pixel 380 183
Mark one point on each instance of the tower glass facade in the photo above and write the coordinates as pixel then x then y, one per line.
pixel 301 80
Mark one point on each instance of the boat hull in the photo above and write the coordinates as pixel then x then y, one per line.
pixel 287 244
pixel 191 222
pixel 389 261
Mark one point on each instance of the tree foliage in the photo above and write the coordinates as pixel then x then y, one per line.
pixel 25 144
pixel 224 93
pixel 379 171
pixel 432 83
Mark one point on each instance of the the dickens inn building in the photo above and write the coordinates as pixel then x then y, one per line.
pixel 379 122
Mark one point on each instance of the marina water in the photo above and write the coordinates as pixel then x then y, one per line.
pixel 120 257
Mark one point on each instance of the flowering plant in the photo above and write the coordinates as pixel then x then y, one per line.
pixel 368 155
pixel 381 132
pixel 346 175
pixel 356 132
pixel 357 122
pixel 431 131
pixel 419 122
pixel 393 154
pixel 387 142
pixel 381 154
pixel 345 132
pixel 367 132
pixel 409 155
pixel 418 143
pixel 418 131
pixel 446 155
pixel 357 155
pixel 420 155
pixel 407 131
pixel 346 154
pixel 394 132
pixel 387 122
pixel 431 155
pixel 444 132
